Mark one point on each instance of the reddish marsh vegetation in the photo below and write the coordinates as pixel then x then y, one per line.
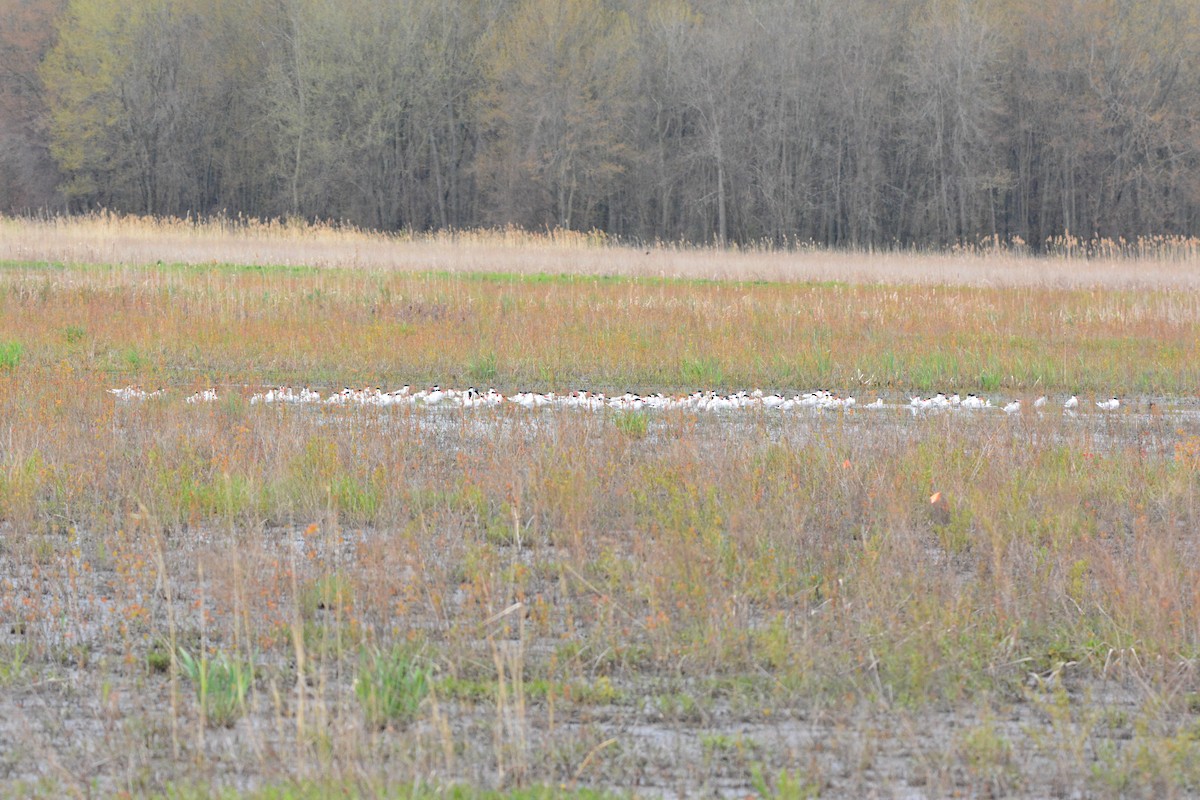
pixel 227 594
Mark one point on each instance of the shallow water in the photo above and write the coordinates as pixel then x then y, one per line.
pixel 1152 425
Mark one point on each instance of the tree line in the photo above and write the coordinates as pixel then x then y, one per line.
pixel 840 122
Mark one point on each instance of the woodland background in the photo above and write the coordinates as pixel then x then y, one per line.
pixel 838 122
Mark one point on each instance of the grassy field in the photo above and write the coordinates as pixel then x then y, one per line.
pixel 211 600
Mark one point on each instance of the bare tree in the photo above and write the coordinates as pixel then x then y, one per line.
pixel 27 170
pixel 555 111
pixel 844 122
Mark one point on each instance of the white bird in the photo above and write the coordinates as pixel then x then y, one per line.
pixel 133 392
pixel 919 403
pixel 470 398
pixel 820 400
pixel 207 396
pixel 972 401
pixel 720 404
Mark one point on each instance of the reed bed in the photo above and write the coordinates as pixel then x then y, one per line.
pixel 1068 261
pixel 313 600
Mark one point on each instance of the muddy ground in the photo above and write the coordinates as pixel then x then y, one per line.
pixel 87 710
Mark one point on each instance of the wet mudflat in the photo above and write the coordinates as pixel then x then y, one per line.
pixel 73 732
pixel 717 604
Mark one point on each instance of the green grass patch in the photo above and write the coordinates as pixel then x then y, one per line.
pixel 391 685
pixel 482 368
pixel 13 664
pixel 10 354
pixel 633 424
pixel 702 373
pixel 222 683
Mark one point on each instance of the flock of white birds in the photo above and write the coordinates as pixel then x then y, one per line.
pixel 437 397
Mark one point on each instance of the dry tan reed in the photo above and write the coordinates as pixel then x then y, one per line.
pixel 104 238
